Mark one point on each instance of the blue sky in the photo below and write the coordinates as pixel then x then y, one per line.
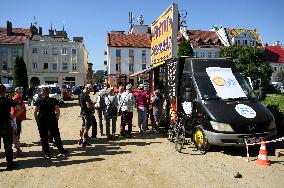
pixel 92 19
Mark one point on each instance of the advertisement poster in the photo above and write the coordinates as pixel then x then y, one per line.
pixel 225 83
pixel 164 35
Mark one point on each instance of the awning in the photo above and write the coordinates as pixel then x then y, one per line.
pixel 148 69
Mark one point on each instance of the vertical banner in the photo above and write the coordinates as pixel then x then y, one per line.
pixel 164 35
pixel 171 68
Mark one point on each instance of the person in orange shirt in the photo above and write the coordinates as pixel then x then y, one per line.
pixel 18 98
pixel 173 110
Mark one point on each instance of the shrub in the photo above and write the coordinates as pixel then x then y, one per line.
pixel 278 115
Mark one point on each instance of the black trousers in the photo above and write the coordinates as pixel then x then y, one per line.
pixel 6 132
pixel 50 125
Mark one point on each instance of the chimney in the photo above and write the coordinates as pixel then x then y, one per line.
pixel 9 28
pixel 40 30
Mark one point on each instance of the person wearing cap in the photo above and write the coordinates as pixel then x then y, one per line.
pixel 100 106
pixel 126 105
pixel 87 115
pixel 111 103
pixel 47 114
pixel 16 137
pixel 6 130
pixel 141 105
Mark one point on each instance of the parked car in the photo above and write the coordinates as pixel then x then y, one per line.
pixel 55 92
pixel 66 91
pixel 76 90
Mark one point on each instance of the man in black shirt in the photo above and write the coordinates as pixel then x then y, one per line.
pixel 6 130
pixel 47 114
pixel 87 116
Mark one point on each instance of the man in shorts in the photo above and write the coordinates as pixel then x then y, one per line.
pixel 87 115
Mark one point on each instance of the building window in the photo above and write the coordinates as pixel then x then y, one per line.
pixel 131 66
pixel 131 56
pixel 54 51
pixel 74 66
pixel 209 54
pixel 216 54
pixel 4 65
pixel 275 69
pixel 118 53
pixel 280 68
pixel 245 42
pixel 143 66
pixel 74 51
pixel 45 51
pixel 143 53
pixel 34 50
pixel 4 51
pixel 54 66
pixel 45 66
pixel 195 54
pixel 34 65
pixel 64 51
pixel 15 52
pixel 64 66
pixel 143 56
pixel 118 67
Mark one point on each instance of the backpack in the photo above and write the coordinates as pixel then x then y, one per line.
pixel 111 110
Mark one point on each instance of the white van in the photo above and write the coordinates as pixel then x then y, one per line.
pixel 55 92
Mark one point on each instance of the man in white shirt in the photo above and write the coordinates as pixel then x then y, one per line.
pixel 126 106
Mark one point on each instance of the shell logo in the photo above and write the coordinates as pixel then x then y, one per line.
pixel 219 81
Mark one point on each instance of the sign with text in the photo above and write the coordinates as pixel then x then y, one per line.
pixel 164 35
pixel 225 83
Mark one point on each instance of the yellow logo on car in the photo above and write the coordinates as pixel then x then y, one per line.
pixel 219 81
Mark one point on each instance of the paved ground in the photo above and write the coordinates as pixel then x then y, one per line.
pixel 147 160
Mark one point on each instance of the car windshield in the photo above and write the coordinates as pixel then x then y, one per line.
pixel 53 90
pixel 208 91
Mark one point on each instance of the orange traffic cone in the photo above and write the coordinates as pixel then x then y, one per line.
pixel 262 156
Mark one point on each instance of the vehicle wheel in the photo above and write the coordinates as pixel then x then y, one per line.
pixel 199 139
pixel 180 138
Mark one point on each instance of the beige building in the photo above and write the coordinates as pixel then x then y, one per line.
pixel 54 58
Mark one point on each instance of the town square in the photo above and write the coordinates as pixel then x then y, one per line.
pixel 141 94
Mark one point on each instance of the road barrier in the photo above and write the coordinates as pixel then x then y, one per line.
pixel 259 143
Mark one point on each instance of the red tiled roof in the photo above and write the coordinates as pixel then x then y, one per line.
pixel 130 40
pixel 200 38
pixel 19 35
pixel 274 54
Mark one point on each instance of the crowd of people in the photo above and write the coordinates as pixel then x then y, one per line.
pixel 108 105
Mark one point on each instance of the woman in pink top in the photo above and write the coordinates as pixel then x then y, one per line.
pixel 141 105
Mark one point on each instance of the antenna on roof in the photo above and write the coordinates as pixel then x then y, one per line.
pixel 63 25
pixel 51 25
pixel 35 22
pixel 131 18
pixel 141 19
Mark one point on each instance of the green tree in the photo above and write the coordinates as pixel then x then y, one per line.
pixel 20 74
pixel 185 48
pixel 280 77
pixel 250 61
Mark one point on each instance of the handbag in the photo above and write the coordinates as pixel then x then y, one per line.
pixel 120 110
